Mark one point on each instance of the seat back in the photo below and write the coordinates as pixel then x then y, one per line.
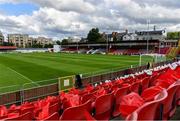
pixel 168 103
pixel 103 107
pixel 54 116
pixel 145 83
pixel 135 87
pixel 121 92
pixel 118 95
pixel 149 93
pixel 82 92
pixel 28 109
pixel 26 116
pixel 178 96
pixel 132 117
pixel 14 118
pixel 76 113
pixel 148 110
pixel 87 97
pixel 54 108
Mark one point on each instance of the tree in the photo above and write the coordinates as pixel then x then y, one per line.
pixel 37 45
pixel 58 42
pixel 93 35
pixel 101 39
pixel 64 41
pixel 48 46
pixel 115 39
pixel 7 44
pixel 173 35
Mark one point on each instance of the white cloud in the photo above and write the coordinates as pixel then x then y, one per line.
pixel 59 18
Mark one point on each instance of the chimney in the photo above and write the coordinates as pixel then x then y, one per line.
pixel 154 27
pixel 126 31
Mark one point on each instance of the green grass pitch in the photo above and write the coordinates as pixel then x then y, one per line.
pixel 18 69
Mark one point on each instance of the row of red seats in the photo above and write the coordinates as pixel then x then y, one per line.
pixel 161 108
pixel 112 98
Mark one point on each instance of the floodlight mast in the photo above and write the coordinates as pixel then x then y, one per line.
pixel 148 22
pixel 107 44
pixel 77 26
pixel 107 39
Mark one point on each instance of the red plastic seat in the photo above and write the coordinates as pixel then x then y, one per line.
pixel 169 103
pixel 178 96
pixel 132 117
pixel 26 116
pixel 118 95
pixel 13 118
pixel 103 107
pixel 95 89
pixel 3 117
pixel 28 109
pixel 54 116
pixel 76 113
pixel 145 83
pixel 129 103
pixel 149 93
pixel 14 111
pixel 54 108
pixel 153 79
pixel 87 97
pixel 82 92
pixel 135 87
pixel 148 110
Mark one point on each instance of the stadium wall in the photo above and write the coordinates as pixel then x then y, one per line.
pixel 34 94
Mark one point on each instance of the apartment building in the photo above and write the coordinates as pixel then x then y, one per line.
pixel 1 38
pixel 24 41
pixel 43 41
pixel 19 40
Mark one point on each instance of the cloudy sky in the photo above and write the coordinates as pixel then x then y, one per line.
pixel 62 18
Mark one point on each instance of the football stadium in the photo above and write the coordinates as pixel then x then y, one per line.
pixel 97 63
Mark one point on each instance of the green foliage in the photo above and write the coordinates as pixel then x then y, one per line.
pixel 94 35
pixel 37 46
pixel 115 39
pixel 7 44
pixel 173 35
pixel 101 40
pixel 58 42
pixel 48 46
pixel 64 41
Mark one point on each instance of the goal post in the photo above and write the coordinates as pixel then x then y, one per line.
pixel 155 58
pixel 66 83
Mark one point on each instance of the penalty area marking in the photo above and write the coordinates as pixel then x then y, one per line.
pixel 23 76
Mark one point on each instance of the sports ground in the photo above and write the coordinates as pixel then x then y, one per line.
pixel 17 69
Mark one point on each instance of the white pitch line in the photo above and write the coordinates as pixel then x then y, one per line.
pixel 22 76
